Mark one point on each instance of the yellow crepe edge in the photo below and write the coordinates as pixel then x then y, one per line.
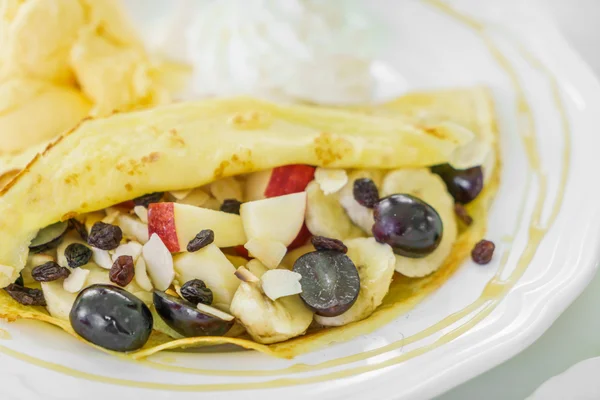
pixel 405 293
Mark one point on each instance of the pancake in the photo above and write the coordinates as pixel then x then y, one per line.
pixel 108 161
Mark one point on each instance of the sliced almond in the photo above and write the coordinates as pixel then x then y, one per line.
pixel 76 281
pixel 197 197
pixel 278 283
pixel 111 215
pixel 226 188
pixel 215 312
pixel 246 276
pixel 180 194
pixel 101 258
pixel 159 263
pixel 133 228
pixel 133 249
pixel 142 213
pixel 269 252
pixel 331 180
pixel 141 275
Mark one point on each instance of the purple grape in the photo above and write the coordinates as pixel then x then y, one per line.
pixel 463 184
pixel 330 281
pixel 186 319
pixel 409 225
pixel 111 317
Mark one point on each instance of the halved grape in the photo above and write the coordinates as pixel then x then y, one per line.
pixel 330 282
pixel 463 184
pixel 409 225
pixel 49 237
pixel 111 317
pixel 186 319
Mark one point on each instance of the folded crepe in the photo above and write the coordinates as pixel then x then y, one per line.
pixel 108 161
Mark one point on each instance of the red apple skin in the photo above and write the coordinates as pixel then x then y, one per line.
pixel 242 251
pixel 289 179
pixel 301 239
pixel 161 220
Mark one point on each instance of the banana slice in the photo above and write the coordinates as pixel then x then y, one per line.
pixel 375 263
pixel 360 215
pixel 326 217
pixel 269 321
pixel 430 188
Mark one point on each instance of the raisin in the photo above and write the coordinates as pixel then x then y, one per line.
pixel 462 214
pixel 79 227
pixel 122 271
pixel 231 206
pixel 483 251
pixel 365 192
pixel 105 236
pixel 195 291
pixel 202 239
pixel 20 280
pixel 49 272
pixel 324 243
pixel 146 199
pixel 77 255
pixel 26 296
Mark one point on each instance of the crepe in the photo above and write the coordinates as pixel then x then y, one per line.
pixel 107 161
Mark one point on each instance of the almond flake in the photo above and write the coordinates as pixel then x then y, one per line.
pixel 214 312
pixel 141 275
pixel 76 281
pixel 159 263
pixel 331 180
pixel 278 283
pixel 142 213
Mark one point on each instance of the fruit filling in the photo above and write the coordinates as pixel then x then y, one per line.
pixel 271 253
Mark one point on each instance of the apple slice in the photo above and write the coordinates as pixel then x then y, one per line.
pixel 277 218
pixel 211 266
pixel 269 252
pixel 278 181
pixel 177 224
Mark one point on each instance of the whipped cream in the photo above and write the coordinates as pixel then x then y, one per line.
pixel 295 50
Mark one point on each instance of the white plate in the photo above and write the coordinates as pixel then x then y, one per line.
pixel 438 344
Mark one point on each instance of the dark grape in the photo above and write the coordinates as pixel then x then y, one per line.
pixel 463 184
pixel 111 317
pixel 330 282
pixel 409 225
pixel 49 237
pixel 186 319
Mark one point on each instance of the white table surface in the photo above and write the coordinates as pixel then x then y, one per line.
pixel 575 336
